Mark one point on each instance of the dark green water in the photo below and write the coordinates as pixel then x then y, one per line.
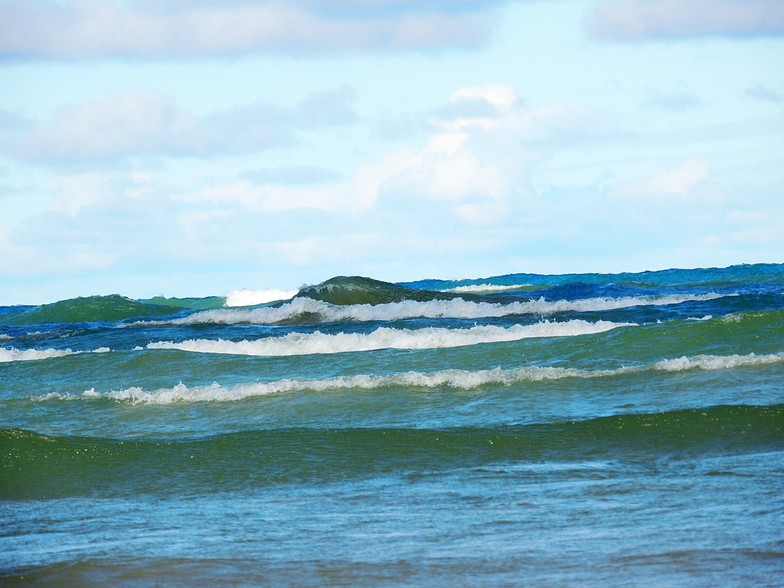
pixel 584 430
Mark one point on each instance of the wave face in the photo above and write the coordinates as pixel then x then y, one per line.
pixel 360 432
pixel 265 457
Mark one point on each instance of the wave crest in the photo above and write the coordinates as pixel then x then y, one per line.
pixel 452 378
pixel 8 355
pixel 307 309
pixel 386 338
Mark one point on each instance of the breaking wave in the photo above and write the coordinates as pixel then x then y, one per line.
pixel 247 297
pixel 452 378
pixel 10 354
pixel 486 288
pixel 386 338
pixel 300 309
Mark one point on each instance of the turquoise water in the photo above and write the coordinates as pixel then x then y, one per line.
pixel 583 429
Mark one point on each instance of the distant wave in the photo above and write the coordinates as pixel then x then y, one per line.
pixel 453 378
pixel 386 338
pixel 485 288
pixel 89 309
pixel 307 308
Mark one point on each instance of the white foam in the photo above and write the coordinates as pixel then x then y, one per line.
pixel 717 362
pixel 247 297
pixel 9 354
pixel 386 338
pixel 457 308
pixel 457 379
pixel 484 288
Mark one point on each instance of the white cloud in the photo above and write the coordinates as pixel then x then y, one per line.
pixel 637 20
pixel 140 123
pixel 76 29
pixel 453 167
pixel 492 178
pixel 498 95
pixel 682 179
pixel 472 168
pixel 678 181
pixel 465 177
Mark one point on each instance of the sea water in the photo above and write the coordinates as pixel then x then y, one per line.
pixel 590 430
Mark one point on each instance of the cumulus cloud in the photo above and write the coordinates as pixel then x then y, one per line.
pixel 639 20
pixel 472 167
pixel 76 29
pixel 464 166
pixel 141 123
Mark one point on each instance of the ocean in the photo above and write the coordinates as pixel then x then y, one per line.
pixel 517 430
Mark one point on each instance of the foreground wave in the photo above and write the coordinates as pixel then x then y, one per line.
pixel 39 466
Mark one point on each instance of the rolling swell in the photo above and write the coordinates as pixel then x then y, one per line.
pixel 35 466
pixel 88 309
pixel 343 290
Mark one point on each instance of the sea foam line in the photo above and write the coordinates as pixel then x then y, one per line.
pixel 456 379
pixel 386 338
pixel 456 308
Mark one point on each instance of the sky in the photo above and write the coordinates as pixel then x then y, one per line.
pixel 197 147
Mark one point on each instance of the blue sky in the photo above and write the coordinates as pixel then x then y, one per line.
pixel 197 147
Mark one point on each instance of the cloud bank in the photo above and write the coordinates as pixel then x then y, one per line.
pixel 639 20
pixel 143 123
pixel 78 29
